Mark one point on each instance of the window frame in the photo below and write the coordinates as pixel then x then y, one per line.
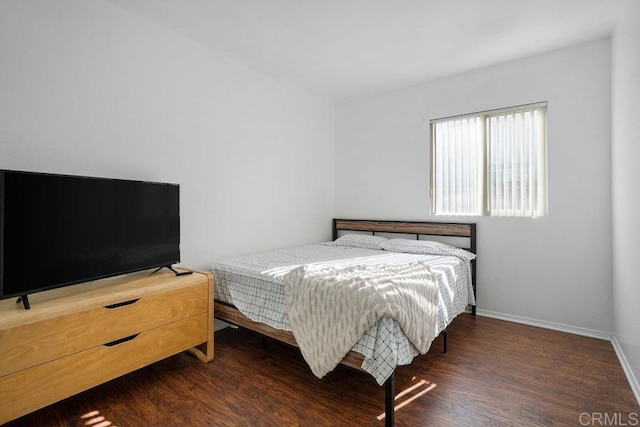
pixel 483 163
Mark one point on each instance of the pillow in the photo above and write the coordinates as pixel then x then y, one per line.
pixel 364 241
pixel 426 247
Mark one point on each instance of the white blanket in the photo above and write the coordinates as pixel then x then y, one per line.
pixel 329 308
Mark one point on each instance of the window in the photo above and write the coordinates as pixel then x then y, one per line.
pixel 491 163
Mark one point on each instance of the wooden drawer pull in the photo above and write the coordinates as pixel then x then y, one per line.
pixel 122 304
pixel 121 340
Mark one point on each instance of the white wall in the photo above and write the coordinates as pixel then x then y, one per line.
pixel 88 88
pixel 626 193
pixel 555 269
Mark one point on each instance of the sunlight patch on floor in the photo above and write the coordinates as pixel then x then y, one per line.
pixel 94 419
pixel 410 394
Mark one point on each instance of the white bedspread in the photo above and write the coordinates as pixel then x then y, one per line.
pixel 330 308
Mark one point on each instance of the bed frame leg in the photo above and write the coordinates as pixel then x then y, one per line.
pixel 444 337
pixel 389 397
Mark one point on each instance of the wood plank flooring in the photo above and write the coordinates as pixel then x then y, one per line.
pixel 495 373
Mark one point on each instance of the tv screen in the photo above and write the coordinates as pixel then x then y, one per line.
pixel 59 230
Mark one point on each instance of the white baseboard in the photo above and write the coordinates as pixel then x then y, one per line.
pixel 633 381
pixel 548 325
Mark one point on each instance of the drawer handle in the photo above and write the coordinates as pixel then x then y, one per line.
pixel 122 304
pixel 121 340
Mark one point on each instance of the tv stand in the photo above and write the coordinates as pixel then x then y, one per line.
pixel 80 336
pixel 24 299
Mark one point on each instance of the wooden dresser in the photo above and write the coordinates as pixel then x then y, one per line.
pixel 77 337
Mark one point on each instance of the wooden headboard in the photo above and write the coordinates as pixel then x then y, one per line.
pixel 449 229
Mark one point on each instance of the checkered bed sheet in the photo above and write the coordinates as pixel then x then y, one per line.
pixel 254 285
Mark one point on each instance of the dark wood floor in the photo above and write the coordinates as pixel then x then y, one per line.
pixel 495 373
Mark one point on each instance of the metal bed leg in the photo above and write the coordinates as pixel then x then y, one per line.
pixel 389 397
pixel 444 345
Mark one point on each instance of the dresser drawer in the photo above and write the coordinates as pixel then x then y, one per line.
pixel 34 388
pixel 32 344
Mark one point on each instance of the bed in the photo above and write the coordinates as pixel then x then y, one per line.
pixel 250 290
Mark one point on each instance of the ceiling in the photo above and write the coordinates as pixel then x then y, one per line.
pixel 348 49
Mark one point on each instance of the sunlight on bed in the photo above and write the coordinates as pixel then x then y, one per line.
pixel 410 394
pixel 447 276
pixel 94 419
pixel 282 270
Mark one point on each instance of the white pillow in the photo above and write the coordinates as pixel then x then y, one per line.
pixel 426 247
pixel 364 241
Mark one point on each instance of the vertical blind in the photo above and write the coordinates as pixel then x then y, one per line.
pixel 457 165
pixel 491 163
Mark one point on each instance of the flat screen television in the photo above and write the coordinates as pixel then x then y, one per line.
pixel 60 230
